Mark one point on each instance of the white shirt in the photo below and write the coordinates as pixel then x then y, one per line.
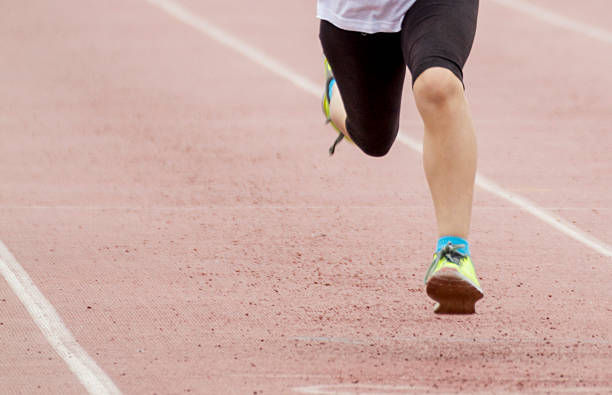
pixel 366 16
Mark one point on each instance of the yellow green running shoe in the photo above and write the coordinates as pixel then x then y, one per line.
pixel 451 281
pixel 329 81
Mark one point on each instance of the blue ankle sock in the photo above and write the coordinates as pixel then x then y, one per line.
pixel 329 87
pixel 442 241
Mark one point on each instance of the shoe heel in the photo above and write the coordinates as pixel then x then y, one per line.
pixel 454 294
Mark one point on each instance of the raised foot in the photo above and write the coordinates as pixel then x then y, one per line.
pixel 454 293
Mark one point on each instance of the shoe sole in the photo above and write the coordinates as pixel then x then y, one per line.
pixel 454 293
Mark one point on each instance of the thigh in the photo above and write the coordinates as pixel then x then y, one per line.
pixel 369 70
pixel 439 33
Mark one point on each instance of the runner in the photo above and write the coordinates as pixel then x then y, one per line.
pixel 368 44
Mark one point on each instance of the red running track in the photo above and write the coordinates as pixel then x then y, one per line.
pixel 175 203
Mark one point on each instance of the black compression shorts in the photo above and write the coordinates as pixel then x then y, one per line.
pixel 370 68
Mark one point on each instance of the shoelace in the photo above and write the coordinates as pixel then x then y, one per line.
pixel 332 149
pixel 450 252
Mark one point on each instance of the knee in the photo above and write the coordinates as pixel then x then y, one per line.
pixel 373 139
pixel 376 149
pixel 436 88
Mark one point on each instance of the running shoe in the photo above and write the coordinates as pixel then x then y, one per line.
pixel 451 281
pixel 329 83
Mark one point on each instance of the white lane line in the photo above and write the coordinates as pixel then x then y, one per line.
pixel 91 376
pixel 281 375
pixel 525 204
pixel 182 14
pixel 551 219
pixel 288 206
pixel 363 389
pixel 382 389
pixel 557 20
pixel 465 340
pixel 196 22
pixel 326 339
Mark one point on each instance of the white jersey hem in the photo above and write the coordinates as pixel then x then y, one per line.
pixel 359 25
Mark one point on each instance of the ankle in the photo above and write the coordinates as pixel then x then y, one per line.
pixel 454 240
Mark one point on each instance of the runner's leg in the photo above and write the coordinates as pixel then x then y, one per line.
pixel 369 70
pixel 449 149
pixel 437 38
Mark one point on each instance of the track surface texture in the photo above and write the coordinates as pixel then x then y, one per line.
pixel 175 203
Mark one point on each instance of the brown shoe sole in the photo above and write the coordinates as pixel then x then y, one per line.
pixel 454 293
